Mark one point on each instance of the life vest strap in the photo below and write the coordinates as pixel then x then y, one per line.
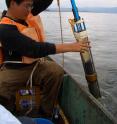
pixel 15 64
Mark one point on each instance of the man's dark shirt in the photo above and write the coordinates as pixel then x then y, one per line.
pixel 15 44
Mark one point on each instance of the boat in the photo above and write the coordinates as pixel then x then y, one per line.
pixel 79 106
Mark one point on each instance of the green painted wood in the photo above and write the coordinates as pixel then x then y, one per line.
pixel 80 107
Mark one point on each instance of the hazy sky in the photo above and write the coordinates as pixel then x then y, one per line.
pixel 81 3
pixel 89 3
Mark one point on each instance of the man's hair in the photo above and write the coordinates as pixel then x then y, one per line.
pixel 9 1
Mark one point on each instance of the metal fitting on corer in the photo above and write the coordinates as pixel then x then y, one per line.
pixel 91 78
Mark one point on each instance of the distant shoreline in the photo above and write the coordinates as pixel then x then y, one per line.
pixel 87 9
pixel 110 10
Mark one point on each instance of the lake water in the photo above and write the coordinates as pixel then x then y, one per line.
pixel 102 31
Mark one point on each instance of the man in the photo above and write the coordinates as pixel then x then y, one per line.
pixel 18 45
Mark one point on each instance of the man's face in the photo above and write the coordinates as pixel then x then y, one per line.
pixel 22 10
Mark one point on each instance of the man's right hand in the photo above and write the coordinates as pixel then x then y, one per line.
pixel 73 47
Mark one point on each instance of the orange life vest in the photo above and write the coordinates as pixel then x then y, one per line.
pixel 34 30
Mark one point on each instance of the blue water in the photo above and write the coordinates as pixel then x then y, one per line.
pixel 102 31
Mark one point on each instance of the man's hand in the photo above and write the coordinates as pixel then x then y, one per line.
pixel 80 46
pixel 73 47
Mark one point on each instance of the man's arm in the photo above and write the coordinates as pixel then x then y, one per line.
pixel 40 5
pixel 14 41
